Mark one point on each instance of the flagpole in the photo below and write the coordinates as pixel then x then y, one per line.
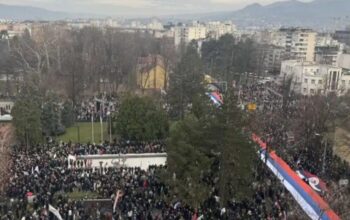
pixel 92 128
pixel 101 128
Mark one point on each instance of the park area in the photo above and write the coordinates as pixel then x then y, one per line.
pixel 81 132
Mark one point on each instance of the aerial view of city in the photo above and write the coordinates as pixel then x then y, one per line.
pixel 174 109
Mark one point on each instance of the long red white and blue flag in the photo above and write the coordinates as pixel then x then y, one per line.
pixel 313 205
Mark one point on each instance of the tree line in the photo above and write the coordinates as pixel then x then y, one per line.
pixel 74 62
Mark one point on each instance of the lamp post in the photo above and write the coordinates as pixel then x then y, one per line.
pixel 110 126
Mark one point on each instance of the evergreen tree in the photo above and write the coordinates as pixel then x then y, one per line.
pixel 27 113
pixel 67 114
pixel 210 144
pixel 139 118
pixel 237 155
pixel 187 162
pixel 50 115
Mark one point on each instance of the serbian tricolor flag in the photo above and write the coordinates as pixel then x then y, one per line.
pixel 312 204
pixel 314 181
pixel 216 97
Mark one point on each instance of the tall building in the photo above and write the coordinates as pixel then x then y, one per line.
pixel 299 43
pixel 309 78
pixel 185 34
pixel 273 56
pixel 326 39
pixel 327 54
pixel 216 29
pixel 343 36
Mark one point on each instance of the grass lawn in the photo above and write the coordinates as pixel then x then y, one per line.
pixel 84 131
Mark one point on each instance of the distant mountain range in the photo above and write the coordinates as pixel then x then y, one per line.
pixel 320 14
pixel 14 12
pixel 317 14
pixel 29 13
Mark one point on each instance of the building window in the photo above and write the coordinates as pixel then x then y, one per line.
pixel 313 81
pixel 319 91
pixel 305 80
pixel 312 91
pixel 320 81
pixel 304 90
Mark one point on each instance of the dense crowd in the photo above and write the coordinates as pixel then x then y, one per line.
pixel 96 108
pixel 123 147
pixel 41 178
pixel 278 120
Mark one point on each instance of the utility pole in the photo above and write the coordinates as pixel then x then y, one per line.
pixel 102 104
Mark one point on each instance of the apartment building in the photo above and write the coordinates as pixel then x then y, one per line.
pixel 216 29
pixel 299 43
pixel 273 56
pixel 185 34
pixel 327 54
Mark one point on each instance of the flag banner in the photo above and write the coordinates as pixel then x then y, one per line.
pixel 215 98
pixel 118 196
pixel 312 204
pixel 55 212
pixel 177 205
pixel 314 181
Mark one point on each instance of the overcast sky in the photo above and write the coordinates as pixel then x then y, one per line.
pixel 138 7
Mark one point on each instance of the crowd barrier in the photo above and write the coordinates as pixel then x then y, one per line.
pixel 142 161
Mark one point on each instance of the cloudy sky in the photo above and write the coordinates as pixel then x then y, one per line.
pixel 139 7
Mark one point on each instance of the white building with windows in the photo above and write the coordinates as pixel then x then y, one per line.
pixel 185 34
pixel 216 29
pixel 309 78
pixel 299 43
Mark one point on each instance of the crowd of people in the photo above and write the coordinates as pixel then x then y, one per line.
pixel 42 184
pixel 96 108
pixel 121 147
pixel 41 178
pixel 281 120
